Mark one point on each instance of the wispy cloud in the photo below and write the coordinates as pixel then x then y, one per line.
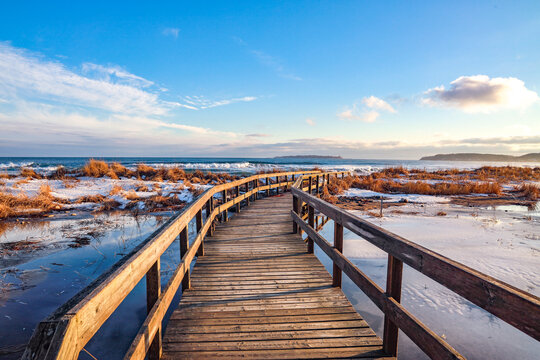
pixel 272 62
pixel 310 122
pixel 367 110
pixel 27 75
pixel 171 32
pixel 45 102
pixel 201 102
pixel 479 93
pixel 275 64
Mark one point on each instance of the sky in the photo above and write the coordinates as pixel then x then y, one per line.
pixel 359 79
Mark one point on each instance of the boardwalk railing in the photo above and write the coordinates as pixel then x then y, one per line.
pixel 66 332
pixel 518 308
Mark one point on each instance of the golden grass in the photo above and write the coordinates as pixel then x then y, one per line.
pixel 23 205
pixel 95 168
pixel 385 185
pixel 117 189
pixel 29 173
pixel 530 191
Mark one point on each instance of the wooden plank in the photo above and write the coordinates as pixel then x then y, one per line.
pixel 257 288
pixel 431 343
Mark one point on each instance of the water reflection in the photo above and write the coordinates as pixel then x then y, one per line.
pixel 45 263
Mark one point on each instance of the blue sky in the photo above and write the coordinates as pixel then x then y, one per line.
pixel 353 78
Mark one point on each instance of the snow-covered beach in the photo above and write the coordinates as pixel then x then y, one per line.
pixel 81 239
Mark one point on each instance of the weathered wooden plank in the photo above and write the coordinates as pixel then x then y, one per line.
pixel 257 288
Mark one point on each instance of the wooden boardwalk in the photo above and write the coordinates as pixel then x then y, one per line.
pixel 257 293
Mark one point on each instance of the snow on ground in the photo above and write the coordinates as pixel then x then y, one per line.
pixel 414 198
pixel 73 189
pixel 501 243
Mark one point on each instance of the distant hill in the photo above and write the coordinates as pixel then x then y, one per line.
pixel 532 157
pixel 308 157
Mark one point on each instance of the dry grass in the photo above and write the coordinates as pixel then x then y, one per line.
pixel 530 191
pixel 23 205
pixel 117 189
pixel 131 195
pixel 120 170
pixel 415 187
pixel 29 173
pixel 95 168
pixel 97 199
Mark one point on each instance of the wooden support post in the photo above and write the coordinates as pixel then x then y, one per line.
pixel 338 245
pixel 199 223
pixel 256 186
pixel 393 289
pixel 208 212
pixel 328 179
pixel 277 182
pixel 237 192
pixel 247 189
pixel 296 210
pixel 310 185
pixel 184 246
pixel 225 213
pixel 317 186
pixel 153 290
pixel 267 184
pixel 311 215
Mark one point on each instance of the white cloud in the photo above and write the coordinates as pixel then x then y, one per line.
pixel 368 110
pixel 114 74
pixel 373 102
pixel 27 75
pixel 44 102
pixel 310 122
pixel 201 102
pixel 479 93
pixel 171 32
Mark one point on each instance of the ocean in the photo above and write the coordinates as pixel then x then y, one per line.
pixel 12 165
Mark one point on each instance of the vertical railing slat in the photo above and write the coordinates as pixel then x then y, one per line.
pixel 153 290
pixel 393 289
pixel 338 245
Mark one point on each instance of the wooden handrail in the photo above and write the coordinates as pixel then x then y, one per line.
pixel 65 333
pixel 517 307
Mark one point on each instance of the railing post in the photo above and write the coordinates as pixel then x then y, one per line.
pixel 295 209
pixel 184 245
pixel 255 186
pixel 393 289
pixel 317 185
pixel 247 197
pixel 237 191
pixel 278 183
pixel 338 245
pixel 208 212
pixel 199 223
pixel 153 290
pixel 311 219
pixel 268 184
pixel 310 185
pixel 225 213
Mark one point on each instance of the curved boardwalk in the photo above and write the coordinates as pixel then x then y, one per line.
pixel 257 293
